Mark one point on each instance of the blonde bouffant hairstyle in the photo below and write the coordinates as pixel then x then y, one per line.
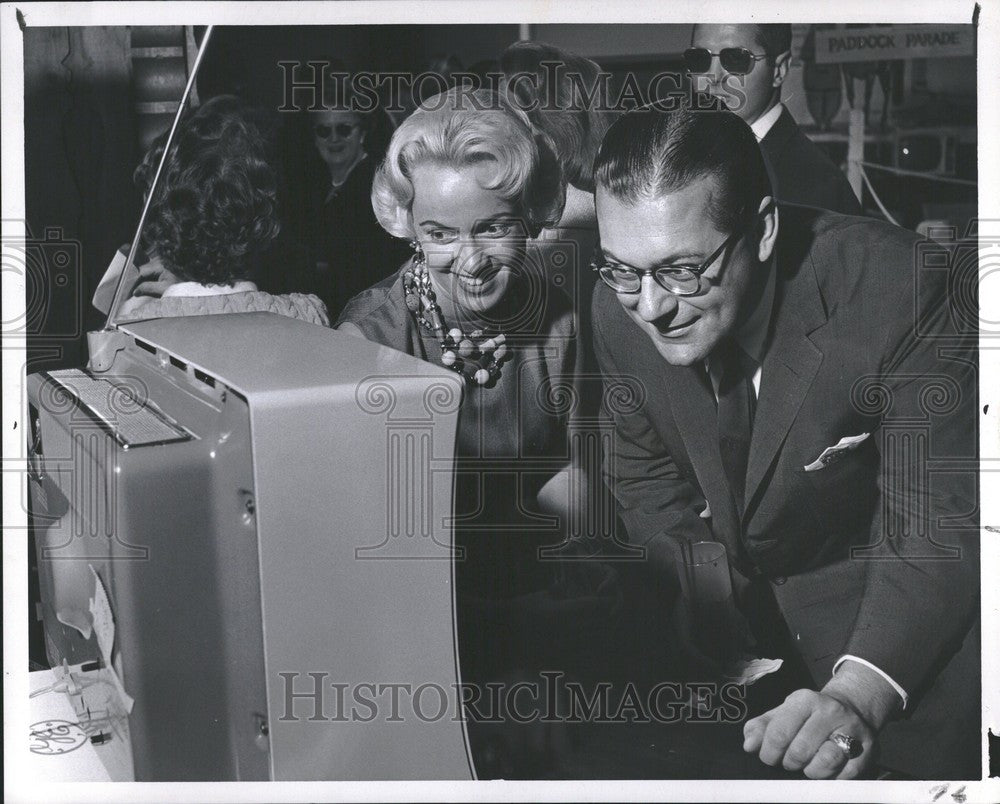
pixel 464 127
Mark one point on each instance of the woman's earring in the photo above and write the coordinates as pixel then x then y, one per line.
pixel 418 252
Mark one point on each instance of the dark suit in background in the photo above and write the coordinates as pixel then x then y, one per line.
pixel 348 248
pixel 801 173
pixel 843 360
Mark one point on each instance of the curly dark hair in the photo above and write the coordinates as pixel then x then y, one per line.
pixel 215 208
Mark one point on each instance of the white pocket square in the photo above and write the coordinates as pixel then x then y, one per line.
pixel 830 454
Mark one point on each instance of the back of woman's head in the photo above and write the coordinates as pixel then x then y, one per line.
pixel 461 128
pixel 566 97
pixel 215 207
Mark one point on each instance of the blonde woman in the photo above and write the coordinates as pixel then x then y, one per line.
pixel 469 182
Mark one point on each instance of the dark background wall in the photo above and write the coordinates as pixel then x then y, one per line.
pixel 80 149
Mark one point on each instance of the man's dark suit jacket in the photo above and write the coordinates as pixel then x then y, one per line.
pixel 843 360
pixel 801 173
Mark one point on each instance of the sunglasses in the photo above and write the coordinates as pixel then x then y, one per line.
pixel 734 60
pixel 323 131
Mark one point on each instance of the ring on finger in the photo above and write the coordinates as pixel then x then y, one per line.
pixel 851 746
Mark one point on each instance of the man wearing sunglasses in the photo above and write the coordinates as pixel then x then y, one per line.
pixel 786 412
pixel 745 66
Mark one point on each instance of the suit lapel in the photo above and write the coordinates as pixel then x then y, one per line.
pixel 791 361
pixel 788 372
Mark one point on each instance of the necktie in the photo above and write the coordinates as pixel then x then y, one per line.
pixel 737 403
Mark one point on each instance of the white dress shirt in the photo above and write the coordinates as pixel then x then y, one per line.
pixel 766 121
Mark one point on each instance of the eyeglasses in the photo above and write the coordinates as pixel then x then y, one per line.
pixel 323 131
pixel 734 60
pixel 681 280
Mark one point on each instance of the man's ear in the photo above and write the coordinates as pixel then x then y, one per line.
pixel 780 72
pixel 767 228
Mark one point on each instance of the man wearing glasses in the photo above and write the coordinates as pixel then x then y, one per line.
pixel 781 370
pixel 745 66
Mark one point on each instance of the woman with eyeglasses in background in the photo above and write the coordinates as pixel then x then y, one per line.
pixel 330 163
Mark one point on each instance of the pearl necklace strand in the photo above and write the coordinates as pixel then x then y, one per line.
pixel 477 356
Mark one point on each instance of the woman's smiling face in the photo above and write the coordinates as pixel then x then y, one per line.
pixel 473 238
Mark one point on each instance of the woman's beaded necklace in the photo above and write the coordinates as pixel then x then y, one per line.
pixel 478 355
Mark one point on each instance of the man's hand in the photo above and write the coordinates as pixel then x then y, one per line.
pixel 856 702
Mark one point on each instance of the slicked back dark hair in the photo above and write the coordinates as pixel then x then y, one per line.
pixel 649 153
pixel 775 38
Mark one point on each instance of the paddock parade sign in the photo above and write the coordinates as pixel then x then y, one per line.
pixel 894 42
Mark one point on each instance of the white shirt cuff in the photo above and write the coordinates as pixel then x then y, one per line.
pixel 870 666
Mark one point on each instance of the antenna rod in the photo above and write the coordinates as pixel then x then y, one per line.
pixel 117 300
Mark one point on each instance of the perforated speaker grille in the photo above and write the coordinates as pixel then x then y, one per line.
pixel 119 403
